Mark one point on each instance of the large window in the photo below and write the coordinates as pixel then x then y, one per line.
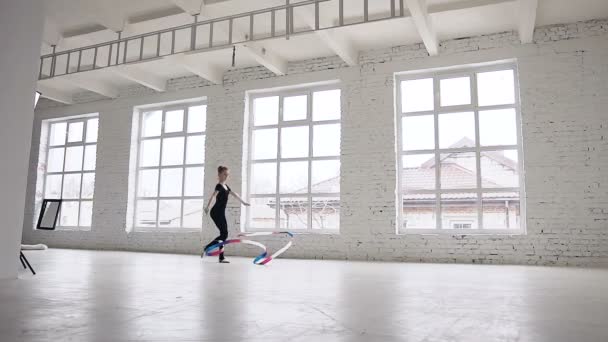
pixel 70 169
pixel 460 151
pixel 294 160
pixel 170 167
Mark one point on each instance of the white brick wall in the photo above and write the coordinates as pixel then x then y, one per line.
pixel 564 91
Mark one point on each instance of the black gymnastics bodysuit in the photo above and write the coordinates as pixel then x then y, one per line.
pixel 218 215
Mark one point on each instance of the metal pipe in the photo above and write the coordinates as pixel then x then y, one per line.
pixel 287 27
pixel 230 32
pixel 158 45
pixel 341 13
pixel 211 34
pixel 272 23
pixel 392 8
pixel 141 48
pixel 118 46
pixel 251 27
pixel 316 15
pixel 173 42
pixel 67 66
pixel 110 54
pixel 94 58
pixel 79 60
pixel 193 34
pixel 365 10
pixel 53 61
pixel 124 55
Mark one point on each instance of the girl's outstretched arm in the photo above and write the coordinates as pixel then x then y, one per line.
pixel 210 199
pixel 239 198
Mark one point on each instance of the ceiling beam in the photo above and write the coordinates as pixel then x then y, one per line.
pixel 92 85
pixel 195 65
pixel 424 25
pixel 192 7
pixel 51 34
pixel 526 12
pixel 268 59
pixel 271 61
pixel 333 39
pixel 142 77
pixel 53 94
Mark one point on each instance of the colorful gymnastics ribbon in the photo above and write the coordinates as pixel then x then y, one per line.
pixel 261 259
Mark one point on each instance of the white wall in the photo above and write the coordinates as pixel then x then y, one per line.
pixel 20 37
pixel 564 92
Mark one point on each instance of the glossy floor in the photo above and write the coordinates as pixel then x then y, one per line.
pixel 123 296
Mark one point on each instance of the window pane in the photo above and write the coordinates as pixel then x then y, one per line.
pixel 69 214
pixel 458 170
pixel 88 185
pixel 501 210
pixel 171 182
pixel 86 213
pixel 499 169
pixel 294 177
pixel 53 186
pixel 265 143
pixel 326 140
pixel 262 213
pixel 264 178
pixel 418 133
pixel 71 186
pixel 58 133
pixel 293 213
pixel 496 88
pixel 325 212
pixel 459 211
pixel 152 122
pixel 92 128
pixel 266 111
pixel 173 151
pixel 73 158
pixel 418 172
pixel 90 157
pixel 148 183
pixel 417 95
pixel 455 91
pixel 145 215
pixel 497 127
pixel 195 150
pixel 75 130
pixel 326 176
pixel 150 152
pixel 419 212
pixel 194 181
pixel 55 162
pixel 174 121
pixel 326 105
pixel 295 108
pixel 457 130
pixel 169 213
pixel 197 119
pixel 193 214
pixel 294 142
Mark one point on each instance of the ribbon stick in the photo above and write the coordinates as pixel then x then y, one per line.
pixel 261 259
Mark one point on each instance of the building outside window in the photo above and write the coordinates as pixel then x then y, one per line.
pixel 459 138
pixel 170 167
pixel 294 160
pixel 69 169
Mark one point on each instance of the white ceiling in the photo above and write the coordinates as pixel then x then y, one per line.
pixel 77 23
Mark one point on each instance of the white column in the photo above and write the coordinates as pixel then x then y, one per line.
pixel 21 23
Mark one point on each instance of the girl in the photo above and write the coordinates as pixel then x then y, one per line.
pixel 218 212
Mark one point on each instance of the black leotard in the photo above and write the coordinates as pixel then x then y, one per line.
pixel 218 215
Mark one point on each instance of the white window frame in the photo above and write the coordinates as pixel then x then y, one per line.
pixel 84 119
pixel 437 75
pixel 160 167
pixel 282 124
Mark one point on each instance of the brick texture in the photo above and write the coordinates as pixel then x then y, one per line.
pixel 564 96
